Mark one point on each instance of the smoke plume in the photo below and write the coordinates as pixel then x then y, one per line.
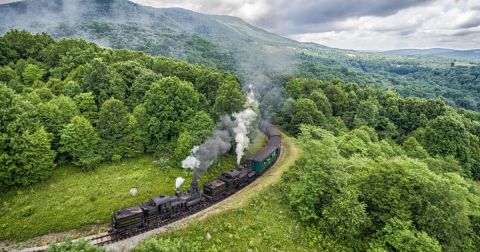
pixel 219 143
pixel 243 121
pixel 179 182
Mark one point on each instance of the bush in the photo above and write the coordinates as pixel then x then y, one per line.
pixel 69 245
pixel 167 245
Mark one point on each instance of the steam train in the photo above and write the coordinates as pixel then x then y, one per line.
pixel 164 208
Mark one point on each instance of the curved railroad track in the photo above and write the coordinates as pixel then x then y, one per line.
pixel 104 239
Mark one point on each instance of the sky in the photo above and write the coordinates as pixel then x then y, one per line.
pixel 355 24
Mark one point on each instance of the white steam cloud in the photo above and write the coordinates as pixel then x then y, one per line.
pixel 203 156
pixel 243 122
pixel 179 182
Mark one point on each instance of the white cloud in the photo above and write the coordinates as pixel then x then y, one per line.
pixel 440 23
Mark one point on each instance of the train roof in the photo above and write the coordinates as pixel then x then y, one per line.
pixel 214 184
pixel 264 153
pixel 273 131
pixel 161 199
pixel 231 173
pixel 127 212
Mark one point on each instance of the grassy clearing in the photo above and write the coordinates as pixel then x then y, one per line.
pixel 264 224
pixel 256 218
pixel 73 199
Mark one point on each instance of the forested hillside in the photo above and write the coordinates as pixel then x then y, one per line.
pixel 70 101
pixel 229 43
pixel 379 173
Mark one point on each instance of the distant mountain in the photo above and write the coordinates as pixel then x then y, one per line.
pixel 256 55
pixel 439 52
pixel 228 43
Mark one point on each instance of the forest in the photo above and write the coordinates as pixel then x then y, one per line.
pixel 379 171
pixel 70 101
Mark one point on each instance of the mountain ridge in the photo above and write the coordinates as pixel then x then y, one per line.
pixel 438 52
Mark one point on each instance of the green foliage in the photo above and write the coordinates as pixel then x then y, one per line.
pixel 306 112
pixel 446 135
pixel 79 142
pixel 68 92
pixel 118 131
pixel 86 104
pixel 357 189
pixel 32 73
pixel 167 245
pixel 229 99
pixel 398 235
pixel 26 156
pixel 55 114
pixel 71 246
pixel 102 80
pixel 170 102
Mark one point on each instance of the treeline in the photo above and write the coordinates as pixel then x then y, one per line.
pixel 70 101
pixel 336 106
pixel 456 83
pixel 382 172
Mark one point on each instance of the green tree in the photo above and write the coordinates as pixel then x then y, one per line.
pixel 55 114
pixel 337 97
pixel 112 126
pixel 306 112
pixel 79 142
pixel 446 135
pixel 229 99
pixel 301 88
pixel 399 235
pixel 32 73
pixel 86 104
pixel 170 102
pixel 322 102
pixel 25 149
pixel 100 79
pixel 367 114
pixel 413 148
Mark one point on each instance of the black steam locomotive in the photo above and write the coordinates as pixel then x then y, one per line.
pixel 163 208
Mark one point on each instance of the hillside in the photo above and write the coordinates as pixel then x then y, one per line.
pixel 229 43
pixel 378 171
pixel 440 52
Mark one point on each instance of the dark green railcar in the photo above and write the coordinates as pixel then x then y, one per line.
pixel 269 154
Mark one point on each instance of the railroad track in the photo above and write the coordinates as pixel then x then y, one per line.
pixel 109 238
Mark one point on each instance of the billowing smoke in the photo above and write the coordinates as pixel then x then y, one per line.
pixel 179 182
pixel 203 156
pixel 243 122
pixel 219 143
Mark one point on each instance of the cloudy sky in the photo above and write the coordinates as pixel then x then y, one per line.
pixel 355 24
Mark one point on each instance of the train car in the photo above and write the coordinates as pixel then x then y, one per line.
pixel 269 154
pixel 214 190
pixel 129 219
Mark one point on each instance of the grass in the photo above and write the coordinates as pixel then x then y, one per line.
pixel 72 199
pixel 266 223
pixel 256 218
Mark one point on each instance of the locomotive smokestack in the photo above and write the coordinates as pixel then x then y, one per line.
pixel 194 185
